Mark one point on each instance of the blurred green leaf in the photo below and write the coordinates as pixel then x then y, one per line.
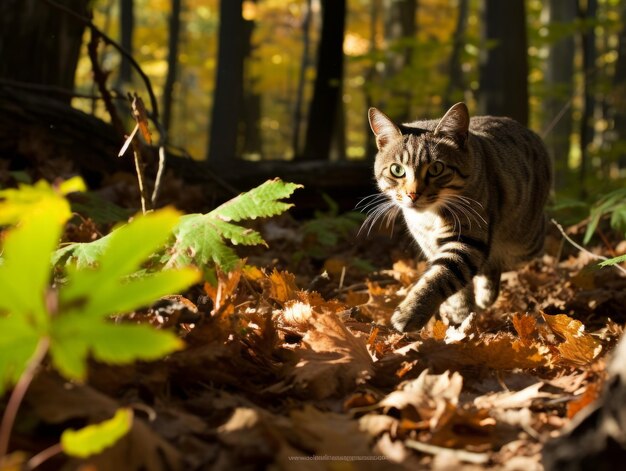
pixel 93 439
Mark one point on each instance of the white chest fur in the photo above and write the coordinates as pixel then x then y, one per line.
pixel 425 227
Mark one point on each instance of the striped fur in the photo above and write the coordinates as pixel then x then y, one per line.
pixel 472 193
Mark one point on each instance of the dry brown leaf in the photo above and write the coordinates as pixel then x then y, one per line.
pixel 282 286
pixel 331 360
pixel 579 347
pixel 592 392
pixel 525 326
pixel 511 399
pixel 433 396
pixel 439 330
pixel 497 351
pixel 227 284
pixel 328 433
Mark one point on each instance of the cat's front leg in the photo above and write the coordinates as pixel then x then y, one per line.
pixel 451 271
pixel 424 298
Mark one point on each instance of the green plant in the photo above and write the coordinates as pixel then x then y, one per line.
pixel 125 270
pixel 70 322
pixel 612 205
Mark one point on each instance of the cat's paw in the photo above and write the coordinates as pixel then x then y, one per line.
pixel 407 318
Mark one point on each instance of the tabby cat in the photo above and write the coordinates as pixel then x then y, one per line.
pixel 472 193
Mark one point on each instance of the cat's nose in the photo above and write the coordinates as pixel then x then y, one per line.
pixel 413 196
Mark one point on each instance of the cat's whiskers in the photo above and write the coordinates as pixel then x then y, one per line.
pixel 455 217
pixel 386 209
pixel 466 203
pixel 368 201
pixel 451 203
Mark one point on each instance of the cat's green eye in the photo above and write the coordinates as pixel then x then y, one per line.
pixel 397 170
pixel 436 168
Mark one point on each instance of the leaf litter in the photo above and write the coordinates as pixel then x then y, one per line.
pixel 286 368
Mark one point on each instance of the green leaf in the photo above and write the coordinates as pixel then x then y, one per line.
pixel 18 341
pixel 81 254
pixel 613 261
pixel 25 272
pixel 261 201
pixel 75 337
pixel 200 238
pixel 94 439
pixel 28 200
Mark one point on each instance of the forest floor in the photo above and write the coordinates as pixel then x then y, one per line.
pixel 290 364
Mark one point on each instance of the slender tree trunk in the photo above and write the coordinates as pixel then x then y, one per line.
pixel 504 68
pixel 172 64
pixel 559 74
pixel 587 12
pixel 30 55
pixel 400 29
pixel 127 24
pixel 251 107
pixel 328 83
pixel 370 78
pixel 456 84
pixel 228 84
pixel 304 65
pixel 619 96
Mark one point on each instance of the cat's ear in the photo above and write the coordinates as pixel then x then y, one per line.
pixel 384 129
pixel 456 123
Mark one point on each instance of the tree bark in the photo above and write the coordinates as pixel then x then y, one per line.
pixel 618 96
pixel 172 64
pixel 28 53
pixel 456 85
pixel 304 65
pixel 400 32
pixel 559 76
pixel 588 38
pixel 227 100
pixel 328 83
pixel 127 24
pixel 504 68
pixel 252 143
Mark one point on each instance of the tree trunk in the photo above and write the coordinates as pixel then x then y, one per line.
pixel 588 38
pixel 127 24
pixel 172 64
pixel 559 76
pixel 27 50
pixel 304 65
pixel 504 68
pixel 328 82
pixel 618 96
pixel 400 33
pixel 228 85
pixel 455 89
pixel 251 106
pixel 370 77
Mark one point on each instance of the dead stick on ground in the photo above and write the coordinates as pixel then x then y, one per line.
pixel 581 248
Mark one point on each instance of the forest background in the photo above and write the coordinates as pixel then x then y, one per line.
pixel 279 80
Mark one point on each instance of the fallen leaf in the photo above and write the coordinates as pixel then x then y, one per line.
pixel 592 392
pixel 330 360
pixel 525 326
pixel 579 347
pixel 512 399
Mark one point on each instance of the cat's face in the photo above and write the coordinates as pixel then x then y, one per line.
pixel 422 169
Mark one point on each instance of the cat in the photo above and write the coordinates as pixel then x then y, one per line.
pixel 472 193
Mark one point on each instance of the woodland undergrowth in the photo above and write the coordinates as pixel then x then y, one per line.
pixel 244 338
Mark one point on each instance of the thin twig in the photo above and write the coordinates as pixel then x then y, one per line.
pixel 159 176
pixel 19 391
pixel 581 248
pixel 43 456
pixel 140 180
pixel 461 455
